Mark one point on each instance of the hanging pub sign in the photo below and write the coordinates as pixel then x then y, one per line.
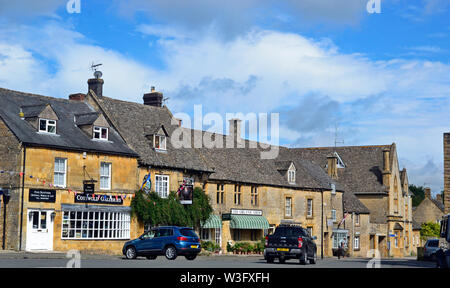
pixel 88 188
pixel 42 195
pixel 186 191
pixel 98 199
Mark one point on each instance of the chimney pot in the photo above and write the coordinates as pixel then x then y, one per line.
pixel 428 192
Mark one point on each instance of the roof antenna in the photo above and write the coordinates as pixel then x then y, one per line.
pixel 97 74
pixel 336 142
pixel 166 100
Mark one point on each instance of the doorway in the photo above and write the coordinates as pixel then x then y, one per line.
pixel 39 230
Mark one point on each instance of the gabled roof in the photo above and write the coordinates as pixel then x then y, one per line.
pixel 68 137
pixel 440 205
pixel 86 118
pixel 364 164
pixel 244 165
pixel 30 111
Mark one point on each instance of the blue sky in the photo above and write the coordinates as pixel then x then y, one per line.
pixel 321 64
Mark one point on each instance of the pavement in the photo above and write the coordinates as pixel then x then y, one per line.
pixel 12 259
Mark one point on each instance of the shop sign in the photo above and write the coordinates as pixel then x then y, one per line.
pixel 98 199
pixel 246 212
pixel 88 188
pixel 226 216
pixel 42 195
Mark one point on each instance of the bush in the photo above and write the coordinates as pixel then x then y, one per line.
pixel 151 209
pixel 430 229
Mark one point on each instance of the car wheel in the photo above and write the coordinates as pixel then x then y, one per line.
pixel 303 258
pixel 191 257
pixel 314 259
pixel 152 257
pixel 171 253
pixel 131 253
pixel 281 260
pixel 269 259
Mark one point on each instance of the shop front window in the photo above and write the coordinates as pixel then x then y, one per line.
pixel 95 225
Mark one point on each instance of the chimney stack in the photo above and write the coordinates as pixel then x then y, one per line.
pixel 235 130
pixel 439 198
pixel 77 97
pixel 153 98
pixel 96 85
pixel 386 167
pixel 447 172
pixel 428 192
pixel 332 166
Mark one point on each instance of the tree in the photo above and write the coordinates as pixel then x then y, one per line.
pixel 418 194
pixel 151 209
pixel 430 229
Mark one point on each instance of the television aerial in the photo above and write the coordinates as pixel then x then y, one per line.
pixel 94 67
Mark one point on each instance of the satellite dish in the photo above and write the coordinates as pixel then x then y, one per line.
pixel 98 74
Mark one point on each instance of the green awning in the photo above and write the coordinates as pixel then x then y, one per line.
pixel 248 222
pixel 213 221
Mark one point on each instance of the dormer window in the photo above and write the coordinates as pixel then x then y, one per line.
pixel 47 126
pixel 100 133
pixel 160 142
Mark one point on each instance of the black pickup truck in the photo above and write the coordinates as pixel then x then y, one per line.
pixel 290 242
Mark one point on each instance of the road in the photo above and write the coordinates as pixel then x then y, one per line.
pixel 60 261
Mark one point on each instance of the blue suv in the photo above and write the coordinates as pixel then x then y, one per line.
pixel 170 241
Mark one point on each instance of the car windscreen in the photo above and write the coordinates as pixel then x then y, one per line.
pixel 188 232
pixel 433 243
pixel 288 232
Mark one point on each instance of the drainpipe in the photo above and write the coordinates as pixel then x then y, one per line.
pixel 321 238
pixel 23 196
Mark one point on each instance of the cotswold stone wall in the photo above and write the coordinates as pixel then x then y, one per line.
pixel 10 164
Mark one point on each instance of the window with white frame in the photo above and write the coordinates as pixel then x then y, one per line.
pixel 291 176
pixel 356 242
pixel 162 185
pixel 160 142
pixel 288 207
pixel 309 211
pixel 333 215
pixel 218 235
pixel 60 172
pixel 47 126
pixel 105 176
pixel 95 225
pixel 100 133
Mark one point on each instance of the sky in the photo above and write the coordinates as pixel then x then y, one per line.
pixel 328 67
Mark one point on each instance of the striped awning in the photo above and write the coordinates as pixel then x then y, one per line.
pixel 213 221
pixel 248 222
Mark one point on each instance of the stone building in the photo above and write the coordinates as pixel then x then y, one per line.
pixel 372 175
pixel 430 209
pixel 52 150
pixel 257 194
pixel 356 194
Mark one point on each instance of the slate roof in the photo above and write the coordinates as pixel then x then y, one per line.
pixel 353 204
pixel 364 165
pixel 244 165
pixel 86 118
pixel 137 121
pixel 69 136
pixel 440 205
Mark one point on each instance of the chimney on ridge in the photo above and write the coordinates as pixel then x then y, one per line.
pixel 428 192
pixel 153 98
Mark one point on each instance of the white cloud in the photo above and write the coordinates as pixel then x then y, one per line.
pixel 377 102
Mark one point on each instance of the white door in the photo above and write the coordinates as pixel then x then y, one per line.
pixel 39 230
